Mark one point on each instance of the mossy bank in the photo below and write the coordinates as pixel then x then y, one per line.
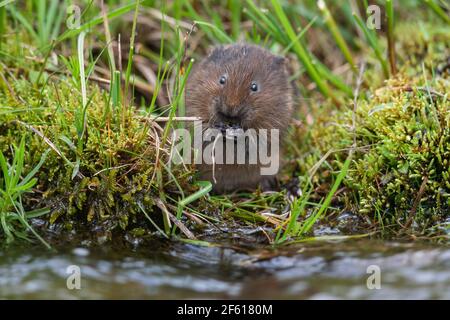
pixel 80 152
pixel 399 132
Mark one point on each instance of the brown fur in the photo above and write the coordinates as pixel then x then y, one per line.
pixel 269 108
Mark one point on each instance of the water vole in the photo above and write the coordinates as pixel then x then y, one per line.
pixel 239 86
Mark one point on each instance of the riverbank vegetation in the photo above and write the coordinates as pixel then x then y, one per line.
pixel 90 91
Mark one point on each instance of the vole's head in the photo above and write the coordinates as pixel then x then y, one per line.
pixel 240 86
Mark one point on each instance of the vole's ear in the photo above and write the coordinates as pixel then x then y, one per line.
pixel 279 61
pixel 210 51
pixel 215 53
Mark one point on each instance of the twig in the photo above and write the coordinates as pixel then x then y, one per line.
pixel 140 84
pixel 111 168
pixel 355 100
pixel 173 22
pixel 108 36
pixel 174 219
pixel 47 141
pixel 416 202
pixel 165 119
pixel 390 36
pixel 10 89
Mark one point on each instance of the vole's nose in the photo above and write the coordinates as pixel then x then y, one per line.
pixel 228 115
pixel 230 110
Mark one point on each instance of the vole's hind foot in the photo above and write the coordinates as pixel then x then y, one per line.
pixel 270 184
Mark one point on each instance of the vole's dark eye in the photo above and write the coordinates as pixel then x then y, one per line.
pixel 222 80
pixel 254 87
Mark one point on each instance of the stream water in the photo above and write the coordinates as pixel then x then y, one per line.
pixel 162 270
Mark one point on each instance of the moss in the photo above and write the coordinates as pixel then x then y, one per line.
pixel 101 178
pixel 100 184
pixel 400 171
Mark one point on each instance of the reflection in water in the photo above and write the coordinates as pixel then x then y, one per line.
pixel 320 271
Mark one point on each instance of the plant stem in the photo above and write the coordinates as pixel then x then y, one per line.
pixel 332 26
pixel 390 35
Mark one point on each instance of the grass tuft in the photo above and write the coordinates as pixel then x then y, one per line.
pixel 13 217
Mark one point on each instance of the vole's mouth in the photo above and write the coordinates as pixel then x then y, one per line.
pixel 230 131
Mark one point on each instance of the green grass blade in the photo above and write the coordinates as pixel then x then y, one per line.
pixel 372 40
pixel 2 25
pixel 332 78
pixel 300 50
pixel 51 17
pixel 173 110
pixel 88 25
pixel 390 35
pixel 4 3
pixel 299 36
pixel 315 217
pixel 235 10
pixel 205 187
pixel 21 215
pixel 41 17
pixel 224 37
pixel 131 52
pixel 18 161
pixel 438 10
pixel 4 167
pixel 37 213
pixel 262 19
pixel 334 29
pixel 19 17
pixel 33 172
